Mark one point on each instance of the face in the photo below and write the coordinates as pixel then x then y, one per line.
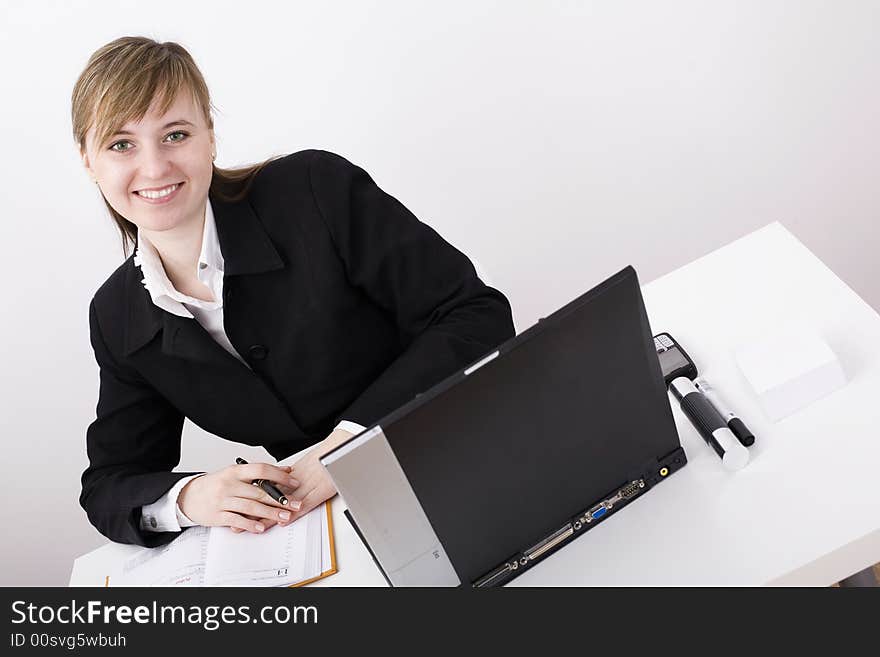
pixel 156 172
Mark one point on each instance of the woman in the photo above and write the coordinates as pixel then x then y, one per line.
pixel 285 305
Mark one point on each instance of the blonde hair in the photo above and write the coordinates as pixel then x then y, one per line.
pixel 120 82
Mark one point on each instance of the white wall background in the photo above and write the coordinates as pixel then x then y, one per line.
pixel 555 141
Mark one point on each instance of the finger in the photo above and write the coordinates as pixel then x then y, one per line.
pixel 251 492
pixel 307 486
pixel 251 471
pixel 258 511
pixel 255 509
pixel 230 519
pixel 259 495
pixel 308 502
pixel 266 522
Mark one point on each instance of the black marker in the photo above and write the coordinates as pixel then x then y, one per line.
pixel 266 485
pixel 709 424
pixel 734 423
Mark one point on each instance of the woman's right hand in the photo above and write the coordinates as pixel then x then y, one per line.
pixel 227 498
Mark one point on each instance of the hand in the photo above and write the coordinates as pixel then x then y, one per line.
pixel 315 485
pixel 227 498
pixel 291 507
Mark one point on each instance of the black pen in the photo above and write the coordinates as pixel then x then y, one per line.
pixel 266 485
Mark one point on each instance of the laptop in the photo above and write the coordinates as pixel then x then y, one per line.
pixel 500 465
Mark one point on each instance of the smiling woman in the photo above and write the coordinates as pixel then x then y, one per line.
pixel 154 173
pixel 126 105
pixel 345 305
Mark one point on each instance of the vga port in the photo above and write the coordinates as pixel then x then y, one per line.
pixel 598 511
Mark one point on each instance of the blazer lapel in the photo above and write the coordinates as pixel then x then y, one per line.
pixel 144 318
pixel 184 337
pixel 244 243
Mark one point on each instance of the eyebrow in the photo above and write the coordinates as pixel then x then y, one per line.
pixel 164 127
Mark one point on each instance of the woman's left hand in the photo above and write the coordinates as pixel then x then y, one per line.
pixel 315 485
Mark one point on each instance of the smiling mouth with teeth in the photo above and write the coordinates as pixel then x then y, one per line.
pixel 158 193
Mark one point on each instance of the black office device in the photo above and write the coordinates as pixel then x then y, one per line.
pixel 674 361
pixel 502 464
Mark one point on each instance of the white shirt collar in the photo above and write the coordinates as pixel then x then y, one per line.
pixel 209 271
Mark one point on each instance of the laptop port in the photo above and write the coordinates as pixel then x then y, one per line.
pixel 494 576
pixel 631 490
pixel 551 541
pixel 598 512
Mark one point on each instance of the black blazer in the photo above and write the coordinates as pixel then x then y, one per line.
pixel 344 305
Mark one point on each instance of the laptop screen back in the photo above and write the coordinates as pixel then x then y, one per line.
pixel 573 408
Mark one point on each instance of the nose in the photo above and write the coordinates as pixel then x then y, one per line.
pixel 154 165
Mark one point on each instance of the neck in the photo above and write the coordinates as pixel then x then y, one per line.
pixel 179 250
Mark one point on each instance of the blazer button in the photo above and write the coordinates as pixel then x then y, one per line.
pixel 258 351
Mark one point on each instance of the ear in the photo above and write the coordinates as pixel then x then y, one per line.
pixel 87 164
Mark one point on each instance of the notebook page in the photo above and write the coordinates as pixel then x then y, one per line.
pixel 278 557
pixel 179 563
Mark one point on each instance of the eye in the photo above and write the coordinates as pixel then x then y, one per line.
pixel 120 143
pixel 180 134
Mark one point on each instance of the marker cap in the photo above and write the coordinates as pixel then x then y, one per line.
pixel 742 433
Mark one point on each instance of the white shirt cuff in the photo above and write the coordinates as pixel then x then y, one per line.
pixel 351 427
pixel 164 515
pixel 345 425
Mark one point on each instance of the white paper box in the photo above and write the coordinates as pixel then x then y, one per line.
pixel 789 370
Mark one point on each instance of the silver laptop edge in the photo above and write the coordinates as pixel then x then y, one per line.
pixel 388 513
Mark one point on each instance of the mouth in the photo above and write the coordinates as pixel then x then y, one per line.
pixel 159 195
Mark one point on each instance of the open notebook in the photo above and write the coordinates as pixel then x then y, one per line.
pixel 294 555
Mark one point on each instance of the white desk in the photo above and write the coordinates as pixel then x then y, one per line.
pixel 805 511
